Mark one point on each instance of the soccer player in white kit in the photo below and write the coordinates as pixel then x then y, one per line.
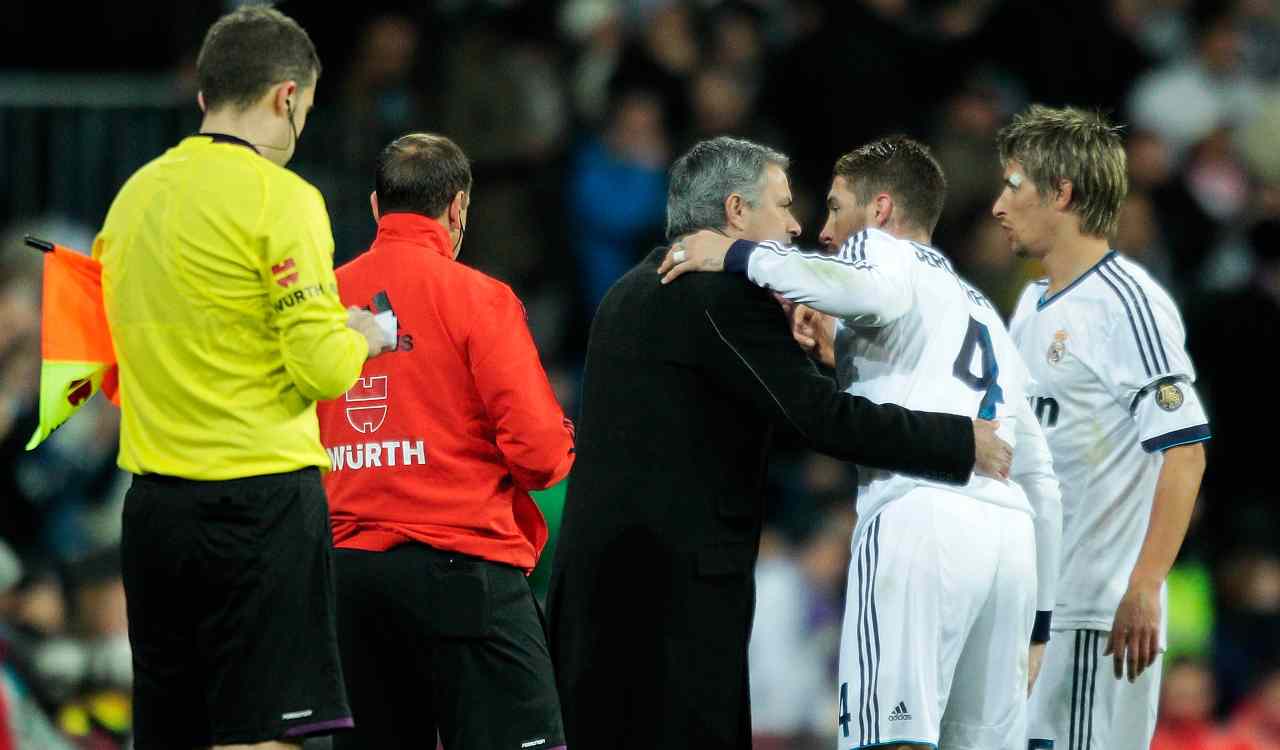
pixel 942 597
pixel 1113 388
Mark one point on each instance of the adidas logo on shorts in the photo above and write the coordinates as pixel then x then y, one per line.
pixel 899 713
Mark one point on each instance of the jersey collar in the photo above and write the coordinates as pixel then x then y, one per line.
pixel 1046 299
pixel 224 138
pixel 403 228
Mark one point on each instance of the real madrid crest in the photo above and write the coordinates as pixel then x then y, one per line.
pixel 1058 347
pixel 1169 396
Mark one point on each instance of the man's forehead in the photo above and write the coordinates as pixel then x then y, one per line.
pixel 839 185
pixel 776 178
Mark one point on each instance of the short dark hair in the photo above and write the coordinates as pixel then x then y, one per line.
pixel 248 51
pixel 902 167
pixel 421 173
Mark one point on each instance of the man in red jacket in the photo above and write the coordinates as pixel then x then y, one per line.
pixel 433 453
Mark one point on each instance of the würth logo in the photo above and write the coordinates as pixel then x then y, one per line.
pixel 284 267
pixel 899 713
pixel 367 417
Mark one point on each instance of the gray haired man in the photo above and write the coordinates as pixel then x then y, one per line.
pixel 652 591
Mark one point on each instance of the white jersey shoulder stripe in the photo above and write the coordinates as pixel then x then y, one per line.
pixel 1129 299
pixel 1146 305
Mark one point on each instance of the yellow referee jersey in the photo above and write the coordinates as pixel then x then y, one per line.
pixel 217 274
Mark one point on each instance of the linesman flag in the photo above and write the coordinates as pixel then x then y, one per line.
pixel 77 356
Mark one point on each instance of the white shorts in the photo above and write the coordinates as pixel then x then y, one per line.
pixel 1078 703
pixel 941 594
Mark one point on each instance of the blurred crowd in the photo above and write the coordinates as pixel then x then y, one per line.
pixel 571 111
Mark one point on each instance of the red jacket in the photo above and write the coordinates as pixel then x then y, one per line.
pixel 440 440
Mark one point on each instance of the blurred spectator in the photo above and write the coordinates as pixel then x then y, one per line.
pixel 1187 100
pixel 67 655
pixel 737 40
pixel 379 101
pixel 1255 725
pixel 1260 21
pixel 1248 634
pixel 788 675
pixel 1223 329
pixel 661 58
pixel 795 639
pixel 1186 709
pixel 617 192
pixel 596 26
pixel 723 103
pixel 965 146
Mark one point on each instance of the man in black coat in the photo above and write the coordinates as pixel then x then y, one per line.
pixel 652 589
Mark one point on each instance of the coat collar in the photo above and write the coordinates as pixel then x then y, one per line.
pixel 403 228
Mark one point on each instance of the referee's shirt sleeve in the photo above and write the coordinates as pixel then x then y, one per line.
pixel 531 431
pixel 321 354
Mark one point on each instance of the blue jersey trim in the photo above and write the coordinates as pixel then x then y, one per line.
pixel 1040 630
pixel 921 743
pixel 1185 436
pixel 735 261
pixel 1045 301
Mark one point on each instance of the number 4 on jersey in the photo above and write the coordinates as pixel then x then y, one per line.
pixel 978 336
pixel 845 717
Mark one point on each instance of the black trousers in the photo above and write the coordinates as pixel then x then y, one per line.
pixel 434 641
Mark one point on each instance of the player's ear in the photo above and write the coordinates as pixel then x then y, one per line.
pixel 456 207
pixel 200 101
pixel 735 211
pixel 373 203
pixel 1063 197
pixel 284 97
pixel 884 209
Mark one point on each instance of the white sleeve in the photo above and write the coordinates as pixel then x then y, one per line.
pixel 1145 366
pixel 1033 471
pixel 868 282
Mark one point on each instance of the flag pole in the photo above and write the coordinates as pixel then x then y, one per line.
pixel 43 246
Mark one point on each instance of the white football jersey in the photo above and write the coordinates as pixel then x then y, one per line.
pixel 913 333
pixel 1112 386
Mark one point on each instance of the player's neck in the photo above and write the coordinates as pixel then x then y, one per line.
pixel 246 126
pixel 1071 259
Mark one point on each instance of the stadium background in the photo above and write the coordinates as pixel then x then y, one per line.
pixel 571 110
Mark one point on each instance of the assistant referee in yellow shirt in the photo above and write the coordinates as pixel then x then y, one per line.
pixel 219 288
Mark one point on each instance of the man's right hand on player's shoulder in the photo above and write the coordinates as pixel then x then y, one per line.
pixel 703 250
pixel 992 456
pixel 363 322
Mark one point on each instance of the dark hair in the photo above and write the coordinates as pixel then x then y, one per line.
pixel 249 50
pixel 905 169
pixel 421 173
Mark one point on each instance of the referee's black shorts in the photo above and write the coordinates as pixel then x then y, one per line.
pixel 231 611
pixel 436 641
